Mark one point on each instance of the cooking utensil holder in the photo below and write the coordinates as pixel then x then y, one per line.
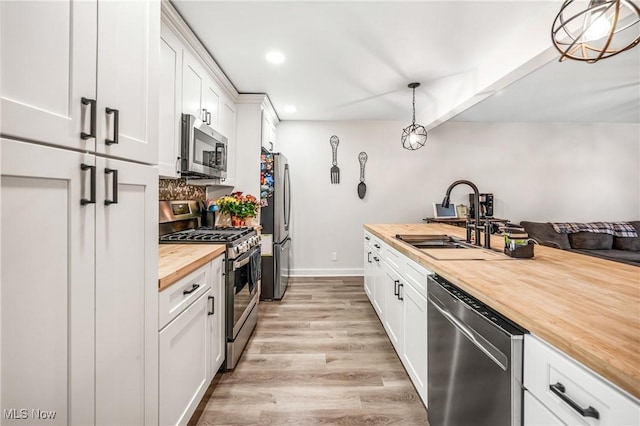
pixel 520 252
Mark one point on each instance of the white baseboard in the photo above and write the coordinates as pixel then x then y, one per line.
pixel 358 272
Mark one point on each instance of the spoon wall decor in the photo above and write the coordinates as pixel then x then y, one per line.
pixel 362 187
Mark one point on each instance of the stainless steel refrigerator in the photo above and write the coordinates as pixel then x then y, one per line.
pixel 275 219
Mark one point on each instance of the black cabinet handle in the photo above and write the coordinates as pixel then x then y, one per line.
pixel 369 257
pixel 92 197
pixel 395 286
pixel 401 296
pixel 213 305
pixel 116 120
pixel 92 131
pixel 376 259
pixel 376 246
pixel 559 390
pixel 192 289
pixel 114 186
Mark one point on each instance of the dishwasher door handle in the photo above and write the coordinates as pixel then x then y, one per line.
pixel 469 333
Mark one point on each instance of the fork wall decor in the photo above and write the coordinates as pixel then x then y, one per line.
pixel 335 170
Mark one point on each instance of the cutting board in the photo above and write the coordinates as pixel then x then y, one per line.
pixel 464 254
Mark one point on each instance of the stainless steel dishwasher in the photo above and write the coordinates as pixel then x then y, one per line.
pixel 474 360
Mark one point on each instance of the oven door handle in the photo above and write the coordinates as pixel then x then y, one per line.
pixel 240 263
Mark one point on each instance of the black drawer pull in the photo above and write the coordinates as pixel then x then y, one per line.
pixel 114 186
pixel 376 259
pixel 116 119
pixel 193 288
pixel 92 196
pixel 401 297
pixel 213 305
pixel 367 238
pixel 559 390
pixel 376 246
pixel 369 257
pixel 92 131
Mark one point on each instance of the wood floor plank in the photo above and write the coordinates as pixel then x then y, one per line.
pixel 318 357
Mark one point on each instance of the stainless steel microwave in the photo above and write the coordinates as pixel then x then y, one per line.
pixel 203 152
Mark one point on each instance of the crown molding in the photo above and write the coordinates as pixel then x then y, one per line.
pixel 178 25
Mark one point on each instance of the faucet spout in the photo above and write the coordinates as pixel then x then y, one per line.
pixel 476 203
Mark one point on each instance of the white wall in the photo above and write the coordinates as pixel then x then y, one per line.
pixel 540 172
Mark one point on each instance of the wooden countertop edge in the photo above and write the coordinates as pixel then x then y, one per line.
pixel 190 264
pixel 574 346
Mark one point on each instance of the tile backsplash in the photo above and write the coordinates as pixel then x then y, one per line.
pixel 178 189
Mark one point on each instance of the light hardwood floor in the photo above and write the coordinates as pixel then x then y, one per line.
pixel 319 356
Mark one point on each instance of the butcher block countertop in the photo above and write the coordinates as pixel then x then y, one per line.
pixel 176 261
pixel 587 307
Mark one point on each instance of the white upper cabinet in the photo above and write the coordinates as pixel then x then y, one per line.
pixel 128 69
pixel 82 74
pixel 48 52
pixel 228 118
pixel 193 82
pixel 170 103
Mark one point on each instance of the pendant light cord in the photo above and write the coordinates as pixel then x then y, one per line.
pixel 414 106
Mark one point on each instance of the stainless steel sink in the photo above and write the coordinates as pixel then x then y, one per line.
pixel 433 241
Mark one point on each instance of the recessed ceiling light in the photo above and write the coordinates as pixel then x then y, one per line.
pixel 275 57
pixel 290 108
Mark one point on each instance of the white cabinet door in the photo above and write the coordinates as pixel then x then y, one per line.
pixel 368 272
pixel 170 102
pixel 126 292
pixel 128 69
pixel 183 364
pixel 193 82
pixel 415 339
pixel 216 317
pixel 378 285
pixel 211 103
pixel 536 414
pixel 48 57
pixel 392 286
pixel 228 128
pixel 47 284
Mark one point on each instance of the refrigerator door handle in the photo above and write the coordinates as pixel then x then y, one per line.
pixel 287 197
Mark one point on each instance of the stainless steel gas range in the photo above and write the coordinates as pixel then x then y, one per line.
pixel 180 223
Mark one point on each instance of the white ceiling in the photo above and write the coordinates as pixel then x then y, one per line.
pixel 353 60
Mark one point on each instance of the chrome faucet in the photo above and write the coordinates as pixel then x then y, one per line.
pixel 476 204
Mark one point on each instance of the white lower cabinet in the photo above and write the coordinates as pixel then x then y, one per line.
pixel 415 339
pixel 393 306
pixel 216 315
pixel 396 287
pixel 571 391
pixel 537 414
pixel 79 299
pixel 192 340
pixel 183 364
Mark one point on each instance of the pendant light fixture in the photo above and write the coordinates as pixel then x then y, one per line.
pixel 414 136
pixel 605 28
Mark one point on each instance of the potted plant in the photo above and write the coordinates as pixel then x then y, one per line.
pixel 239 207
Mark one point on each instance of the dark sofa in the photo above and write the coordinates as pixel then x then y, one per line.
pixel 619 249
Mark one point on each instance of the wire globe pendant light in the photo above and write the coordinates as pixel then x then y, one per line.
pixel 414 136
pixel 604 29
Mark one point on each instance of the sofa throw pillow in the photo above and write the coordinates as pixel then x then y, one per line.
pixel 628 243
pixel 591 241
pixel 544 234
